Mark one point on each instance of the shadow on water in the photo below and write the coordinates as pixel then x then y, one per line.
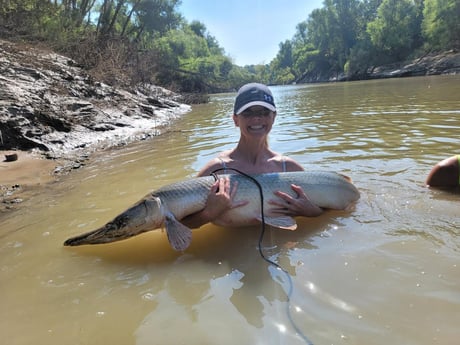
pixel 211 243
pixel 230 256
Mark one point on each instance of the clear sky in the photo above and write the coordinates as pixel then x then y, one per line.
pixel 250 31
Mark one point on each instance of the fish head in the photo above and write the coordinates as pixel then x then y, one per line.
pixel 155 211
pixel 147 214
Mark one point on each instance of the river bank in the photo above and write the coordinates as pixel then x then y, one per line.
pixel 21 177
pixel 54 115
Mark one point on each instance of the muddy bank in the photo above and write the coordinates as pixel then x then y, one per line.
pixel 429 64
pixel 55 115
pixel 49 104
pixel 432 63
pixel 23 177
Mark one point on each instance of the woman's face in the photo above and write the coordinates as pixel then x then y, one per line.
pixel 255 121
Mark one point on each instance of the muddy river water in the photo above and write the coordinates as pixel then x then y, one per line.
pixel 387 272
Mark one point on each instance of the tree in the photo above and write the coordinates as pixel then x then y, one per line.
pixel 441 24
pixel 393 33
pixel 191 60
pixel 329 33
pixel 343 29
pixel 156 17
pixel 198 28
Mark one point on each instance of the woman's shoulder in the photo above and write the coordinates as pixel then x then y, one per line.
pixel 445 173
pixel 288 163
pixel 215 164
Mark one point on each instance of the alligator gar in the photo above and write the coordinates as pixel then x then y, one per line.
pixel 166 206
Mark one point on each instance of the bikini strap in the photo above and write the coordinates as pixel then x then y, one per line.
pixel 283 163
pixel 224 166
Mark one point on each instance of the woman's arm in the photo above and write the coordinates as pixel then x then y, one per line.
pixel 445 173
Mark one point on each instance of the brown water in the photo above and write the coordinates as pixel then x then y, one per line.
pixel 386 273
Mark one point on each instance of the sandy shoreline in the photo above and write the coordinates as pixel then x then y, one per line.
pixel 17 178
pixel 29 169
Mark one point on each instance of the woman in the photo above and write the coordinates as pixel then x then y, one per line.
pixel 254 114
pixel 445 174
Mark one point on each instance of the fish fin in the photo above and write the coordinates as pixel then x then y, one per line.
pixel 283 222
pixel 179 236
pixel 346 177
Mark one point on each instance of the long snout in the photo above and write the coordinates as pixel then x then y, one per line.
pixel 142 217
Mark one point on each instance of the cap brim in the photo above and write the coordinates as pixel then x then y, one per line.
pixel 250 104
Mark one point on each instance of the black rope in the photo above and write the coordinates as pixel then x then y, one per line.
pixel 271 262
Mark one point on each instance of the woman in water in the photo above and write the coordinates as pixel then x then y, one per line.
pixel 254 114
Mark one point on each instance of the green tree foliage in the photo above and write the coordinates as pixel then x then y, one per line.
pixel 441 24
pixel 393 33
pixel 126 41
pixel 282 64
pixel 322 44
pixel 347 39
pixel 191 60
pixel 26 17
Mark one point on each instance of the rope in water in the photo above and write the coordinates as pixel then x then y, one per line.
pixel 271 262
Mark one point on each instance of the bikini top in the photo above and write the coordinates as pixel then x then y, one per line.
pixel 283 162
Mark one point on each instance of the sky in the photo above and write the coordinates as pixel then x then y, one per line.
pixel 250 31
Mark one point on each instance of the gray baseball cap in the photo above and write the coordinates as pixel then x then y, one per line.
pixel 253 94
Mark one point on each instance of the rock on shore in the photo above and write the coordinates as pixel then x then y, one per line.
pixel 48 103
pixel 430 64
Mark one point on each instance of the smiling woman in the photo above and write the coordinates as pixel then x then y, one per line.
pixel 254 114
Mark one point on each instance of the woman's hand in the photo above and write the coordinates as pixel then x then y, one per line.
pixel 294 206
pixel 220 198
